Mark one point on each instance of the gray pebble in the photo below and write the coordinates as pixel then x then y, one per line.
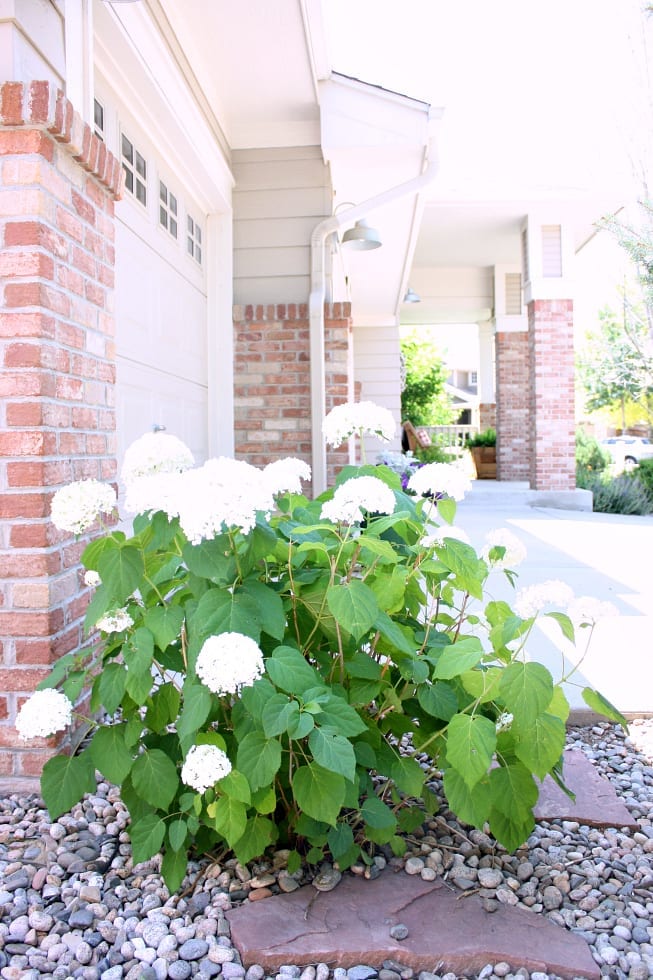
pixel 179 970
pixel 193 949
pixel 399 932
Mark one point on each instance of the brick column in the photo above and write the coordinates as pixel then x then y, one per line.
pixel 272 397
pixel 57 378
pixel 513 408
pixel 487 416
pixel 551 357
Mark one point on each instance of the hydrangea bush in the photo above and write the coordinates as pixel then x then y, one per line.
pixel 274 670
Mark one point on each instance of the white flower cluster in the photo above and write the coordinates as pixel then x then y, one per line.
pixel 155 452
pixel 115 621
pixel 439 535
pixel 228 662
pixel 443 478
pixel 45 713
pixel 287 475
pixel 501 537
pixel 358 494
pixel 504 722
pixel 204 766
pixel 92 579
pixel 77 506
pixel 587 609
pixel 345 420
pixel 533 598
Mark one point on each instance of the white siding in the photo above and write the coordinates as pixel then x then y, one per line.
pixel 377 370
pixel 280 195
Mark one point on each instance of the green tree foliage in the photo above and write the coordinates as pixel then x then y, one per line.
pixel 424 400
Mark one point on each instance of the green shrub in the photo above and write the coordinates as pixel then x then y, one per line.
pixel 591 459
pixel 623 494
pixel 644 474
pixel 486 438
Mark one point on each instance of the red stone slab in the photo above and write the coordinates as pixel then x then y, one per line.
pixel 446 932
pixel 596 804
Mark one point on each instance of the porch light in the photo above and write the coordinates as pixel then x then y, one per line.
pixel 361 237
pixel 411 296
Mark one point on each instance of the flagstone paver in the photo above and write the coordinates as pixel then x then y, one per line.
pixel 596 803
pixel 446 931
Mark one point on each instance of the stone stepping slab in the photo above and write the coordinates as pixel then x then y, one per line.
pixel 596 804
pixel 446 931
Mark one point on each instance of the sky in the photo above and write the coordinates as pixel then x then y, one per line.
pixel 544 93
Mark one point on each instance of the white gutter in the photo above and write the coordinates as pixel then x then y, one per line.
pixel 317 297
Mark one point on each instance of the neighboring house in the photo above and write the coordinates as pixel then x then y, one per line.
pixel 174 179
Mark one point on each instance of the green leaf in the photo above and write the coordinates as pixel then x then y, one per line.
pixel 95 549
pixel 173 869
pixel 447 509
pixel 259 759
pixel 121 572
pixel 514 791
pixel 338 714
pixel 259 834
pixel 458 657
pixel 279 715
pixel 471 742
pixel 229 818
pixel 394 635
pixel 289 670
pixel 559 706
pixel 510 831
pixel 154 777
pixel 177 831
pixel 110 754
pixel 212 559
pixel 438 700
pixel 269 607
pixel 164 707
pixel 527 689
pixel 164 622
pixel 470 805
pixel 111 686
pixel 195 711
pixel 389 588
pixel 222 611
pixel 64 781
pixel 265 800
pixel 340 838
pixel 236 786
pixel 377 814
pixel 600 704
pixel 301 726
pixel 333 752
pixel 565 624
pixel 146 835
pixel 540 744
pixel 409 776
pixel 362 666
pixel 318 792
pixel 354 607
pixel 482 684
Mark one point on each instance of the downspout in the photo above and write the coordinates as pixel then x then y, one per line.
pixel 317 296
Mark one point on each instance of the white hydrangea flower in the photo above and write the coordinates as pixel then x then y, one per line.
pixel 44 714
pixel 504 722
pixel 287 475
pixel 156 492
pixel 360 493
pixel 77 507
pixel 345 420
pixel 588 609
pixel 204 766
pixel 155 452
pixel 228 662
pixel 442 478
pixel 533 598
pixel 501 537
pixel 92 579
pixel 438 536
pixel 115 621
pixel 224 493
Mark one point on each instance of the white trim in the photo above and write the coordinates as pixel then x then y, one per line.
pixel 218 255
pixel 78 33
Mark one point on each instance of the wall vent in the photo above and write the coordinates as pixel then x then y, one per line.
pixel 551 251
pixel 512 293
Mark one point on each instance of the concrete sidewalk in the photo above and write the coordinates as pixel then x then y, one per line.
pixel 607 556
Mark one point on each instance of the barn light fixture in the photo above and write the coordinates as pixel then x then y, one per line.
pixel 361 237
pixel 411 296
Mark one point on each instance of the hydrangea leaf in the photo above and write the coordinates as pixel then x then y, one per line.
pixel 408 775
pixel 212 559
pixel 173 869
pixel 147 834
pixel 540 744
pixel 111 686
pixel 110 753
pixel 378 814
pixel 598 703
pixel 64 781
pixel 470 805
pixel 258 758
pixel 177 830
pixel 121 572
pixel 526 689
pixel 458 657
pixel 279 715
pixel 165 624
pixel 318 792
pixel 229 818
pixel 514 791
pixel 471 742
pixel 269 608
pixel 195 711
pixel 510 831
pixel 163 708
pixel 354 606
pixel 289 670
pixel 154 777
pixel 260 832
pixel 333 752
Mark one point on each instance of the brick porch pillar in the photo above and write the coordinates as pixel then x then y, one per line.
pixel 551 359
pixel 57 377
pixel 272 396
pixel 513 408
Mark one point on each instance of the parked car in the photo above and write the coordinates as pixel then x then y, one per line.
pixel 627 451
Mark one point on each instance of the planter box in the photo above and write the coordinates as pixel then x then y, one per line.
pixel 485 462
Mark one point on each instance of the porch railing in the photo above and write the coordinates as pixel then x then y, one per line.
pixel 451 436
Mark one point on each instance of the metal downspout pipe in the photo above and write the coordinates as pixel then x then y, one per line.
pixel 317 298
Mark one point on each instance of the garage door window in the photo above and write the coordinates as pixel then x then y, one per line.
pixel 194 240
pixel 167 209
pixel 135 167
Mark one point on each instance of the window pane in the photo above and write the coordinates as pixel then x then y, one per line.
pixel 140 164
pixel 173 204
pixel 173 227
pixel 127 150
pixel 98 115
pixel 163 192
pixel 129 179
pixel 198 254
pixel 140 192
pixel 190 245
pixel 163 216
pixel 190 225
pixel 198 234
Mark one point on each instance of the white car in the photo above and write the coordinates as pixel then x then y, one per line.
pixel 627 451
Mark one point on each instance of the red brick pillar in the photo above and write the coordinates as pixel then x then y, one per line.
pixel 272 394
pixel 487 416
pixel 551 357
pixel 57 378
pixel 513 408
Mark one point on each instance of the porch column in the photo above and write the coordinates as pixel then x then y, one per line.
pixel 57 374
pixel 487 408
pixel 513 422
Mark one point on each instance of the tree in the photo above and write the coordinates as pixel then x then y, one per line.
pixel 424 400
pixel 616 368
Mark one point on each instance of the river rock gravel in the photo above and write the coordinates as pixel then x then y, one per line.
pixel 72 904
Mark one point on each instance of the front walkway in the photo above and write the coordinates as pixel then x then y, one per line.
pixel 607 556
